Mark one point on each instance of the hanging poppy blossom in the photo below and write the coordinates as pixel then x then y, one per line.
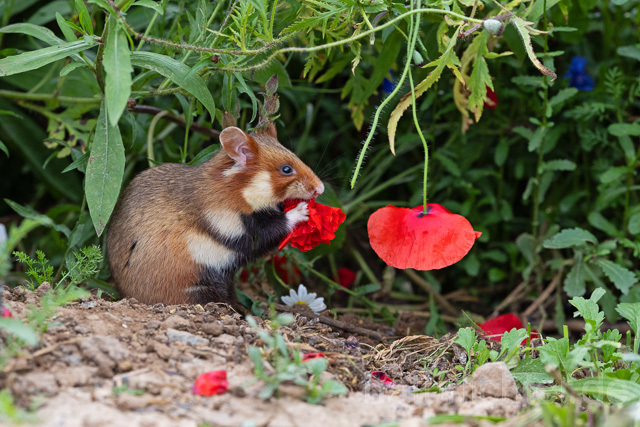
pixel 346 277
pixel 6 312
pixel 321 227
pixel 310 356
pixel 492 99
pixel 210 383
pixel 496 327
pixel 381 376
pixel 288 273
pixel 410 238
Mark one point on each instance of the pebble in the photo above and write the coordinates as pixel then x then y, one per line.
pixel 175 335
pixel 494 380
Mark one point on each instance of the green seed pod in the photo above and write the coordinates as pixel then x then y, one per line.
pixel 493 26
pixel 417 58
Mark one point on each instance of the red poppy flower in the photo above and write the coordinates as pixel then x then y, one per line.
pixel 346 277
pixel 321 227
pixel 210 383
pixel 379 375
pixel 310 356
pixel 492 99
pixel 496 327
pixel 409 238
pixel 6 312
pixel 289 273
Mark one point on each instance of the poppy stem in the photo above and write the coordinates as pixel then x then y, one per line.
pixel 416 28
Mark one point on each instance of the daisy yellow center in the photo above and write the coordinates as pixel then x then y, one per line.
pixel 301 303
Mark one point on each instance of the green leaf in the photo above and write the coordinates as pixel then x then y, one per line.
pixel 574 283
pixel 448 59
pixel 105 171
pixel 466 338
pixel 523 28
pixel 588 308
pixel 560 98
pixel 536 138
pixel 30 213
pixel 531 371
pixel 151 4
pixel 630 51
pixel 40 33
pixel 39 58
pixel 597 220
pixel 19 330
pixel 480 79
pixel 367 289
pixel 631 312
pixel 117 64
pixel 66 28
pixel 84 17
pixel 535 81
pixel 4 148
pixel 511 340
pixel 624 129
pixel 568 238
pixel 613 174
pixel 179 74
pixel 613 388
pixel 559 165
pixel 633 227
pixel 554 352
pixel 621 277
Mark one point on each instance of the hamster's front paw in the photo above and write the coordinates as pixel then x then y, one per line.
pixel 298 214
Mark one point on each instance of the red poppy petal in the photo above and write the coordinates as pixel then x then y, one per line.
pixel 6 312
pixel 379 375
pixel 407 238
pixel 497 326
pixel 309 356
pixel 210 383
pixel 346 277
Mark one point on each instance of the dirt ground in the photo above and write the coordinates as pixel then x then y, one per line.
pixel 124 363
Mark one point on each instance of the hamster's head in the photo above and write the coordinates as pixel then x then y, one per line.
pixel 270 173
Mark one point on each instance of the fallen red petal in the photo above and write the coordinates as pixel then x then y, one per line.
pixel 6 312
pixel 379 375
pixel 492 99
pixel 210 383
pixel 496 327
pixel 408 238
pixel 310 356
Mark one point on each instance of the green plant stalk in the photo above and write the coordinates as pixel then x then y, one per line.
pixel 186 131
pixel 536 188
pixel 163 5
pixel 99 56
pixel 152 127
pixel 48 97
pixel 365 267
pixel 410 48
pixel 424 142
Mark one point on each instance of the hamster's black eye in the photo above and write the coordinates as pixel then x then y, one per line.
pixel 286 170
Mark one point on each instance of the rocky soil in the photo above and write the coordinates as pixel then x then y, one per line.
pixel 124 363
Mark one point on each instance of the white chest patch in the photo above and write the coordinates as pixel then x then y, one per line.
pixel 206 251
pixel 259 194
pixel 226 222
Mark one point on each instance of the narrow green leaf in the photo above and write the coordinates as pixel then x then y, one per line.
pixel 536 139
pixel 4 148
pixel 621 277
pixel 84 17
pixel 613 388
pixel 574 283
pixel 117 64
pixel 39 58
pixel 66 28
pixel 570 237
pixel 70 67
pixel 30 213
pixel 631 312
pixel 633 227
pixel 105 171
pixel 179 74
pixel 40 33
pixel 624 129
pixel 630 51
pixel 597 220
pixel 151 4
pixel 535 81
pixel 523 28
pixel 559 98
pixel 613 174
pixel 559 165
pixel 19 330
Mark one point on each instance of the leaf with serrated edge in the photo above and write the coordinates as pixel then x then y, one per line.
pixel 39 58
pixel 522 27
pixel 570 237
pixel 448 59
pixel 105 171
pixel 621 277
pixel 117 64
pixel 178 73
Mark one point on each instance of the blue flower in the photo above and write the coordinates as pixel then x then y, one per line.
pixel 388 84
pixel 578 76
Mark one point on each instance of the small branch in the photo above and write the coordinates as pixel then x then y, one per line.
pixel 513 295
pixel 440 300
pixel 545 294
pixel 179 120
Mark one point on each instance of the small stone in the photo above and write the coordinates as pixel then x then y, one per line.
pixel 176 322
pixel 81 329
pixel 93 317
pixel 125 366
pixel 131 402
pixel 174 335
pixel 152 324
pixel 494 380
pixel 163 351
pixel 88 304
pixel 214 329
pixel 231 330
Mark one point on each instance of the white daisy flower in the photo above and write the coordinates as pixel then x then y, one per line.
pixel 304 298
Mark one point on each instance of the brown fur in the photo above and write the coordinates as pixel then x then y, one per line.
pixel 148 238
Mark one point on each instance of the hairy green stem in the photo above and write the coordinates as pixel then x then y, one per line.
pixel 424 142
pixel 48 97
pixel 413 34
pixel 152 128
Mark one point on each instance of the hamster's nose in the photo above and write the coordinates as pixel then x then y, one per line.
pixel 319 190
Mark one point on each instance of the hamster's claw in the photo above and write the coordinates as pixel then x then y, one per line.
pixel 298 214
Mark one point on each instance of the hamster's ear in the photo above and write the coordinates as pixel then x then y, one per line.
pixel 238 145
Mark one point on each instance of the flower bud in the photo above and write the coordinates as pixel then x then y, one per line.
pixel 418 59
pixel 493 26
pixel 272 85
